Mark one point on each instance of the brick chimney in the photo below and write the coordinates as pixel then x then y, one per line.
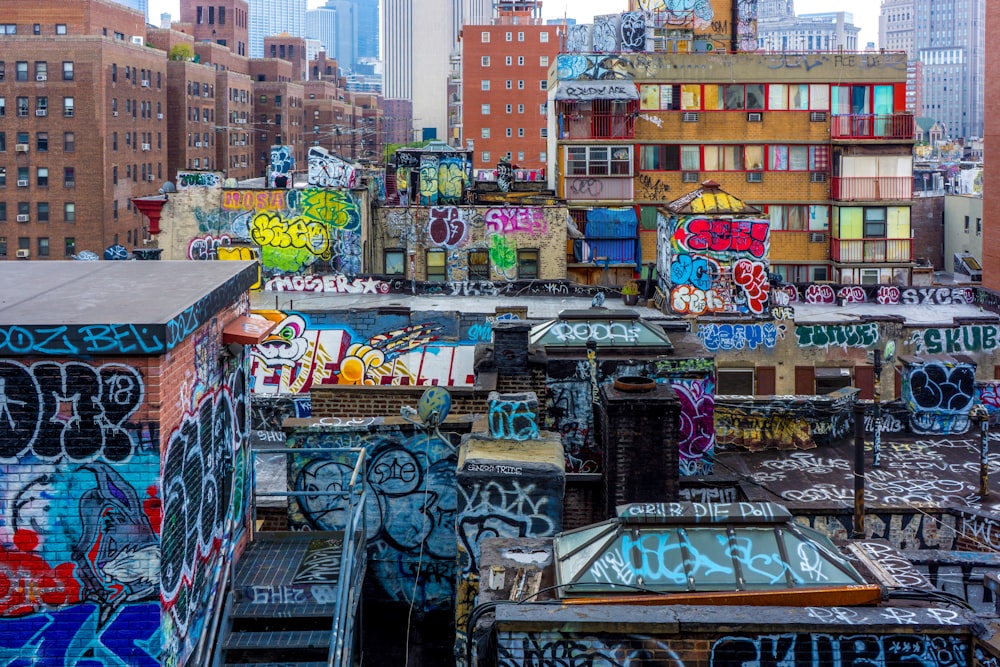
pixel 510 347
pixel 637 421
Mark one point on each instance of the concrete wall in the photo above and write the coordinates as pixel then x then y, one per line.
pixel 956 237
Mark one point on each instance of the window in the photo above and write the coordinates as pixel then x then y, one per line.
pixel 42 142
pixel 485 132
pixel 509 108
pixel 68 106
pixel 69 248
pixel 3 246
pixel 3 107
pixel 486 110
pixel 23 208
pixel 967 221
pixel 3 141
pixel 41 70
pixel 23 243
pixel 3 211
pixel 21 72
pixel 22 107
pixel 520 108
pixel 520 132
pixel 8 28
pixel 979 226
pixel 734 381
pixel 520 60
pixel 114 72
pixel 486 61
pixel 60 28
pixel 485 37
pixel 543 61
pixel 69 142
pixel 69 212
pixel 543 84
pixel 527 264
pixel 520 156
pixel 484 84
pixel 510 84
pixel 486 157
pixel 395 262
pixel 436 268
pixel 41 106
pixel 479 265
pixel 509 60
pixel 510 37
pixel 874 219
pixel 43 176
pixel 69 177
pixel 510 132
pixel 43 211
pixel 599 160
pixel 520 36
pixel 520 84
pixel 543 37
pixel 43 246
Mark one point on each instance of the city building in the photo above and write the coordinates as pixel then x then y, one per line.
pixel 274 17
pixel 349 29
pixel 290 48
pixel 419 43
pixel 141 6
pixel 504 79
pixel 948 37
pixel 224 22
pixel 82 101
pixel 278 116
pixel 780 29
pixel 825 154
pixel 991 177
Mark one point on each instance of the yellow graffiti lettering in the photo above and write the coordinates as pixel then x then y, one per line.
pixel 272 230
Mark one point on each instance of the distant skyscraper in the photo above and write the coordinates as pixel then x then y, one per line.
pixel 321 24
pixel 779 29
pixel 366 12
pixel 348 29
pixel 141 5
pixel 273 17
pixel 948 37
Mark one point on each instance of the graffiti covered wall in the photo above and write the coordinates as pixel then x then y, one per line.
pixel 713 265
pixel 939 393
pixel 478 243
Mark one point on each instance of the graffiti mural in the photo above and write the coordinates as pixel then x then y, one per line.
pixel 939 395
pixel 411 506
pixel 205 506
pixel 430 166
pixel 299 355
pixel 714 265
pixel 198 179
pixel 845 336
pixel 784 422
pixel 281 166
pixel 956 340
pixel 696 430
pixel 570 648
pixel 740 336
pixel 334 284
pixel 326 170
pixel 842 650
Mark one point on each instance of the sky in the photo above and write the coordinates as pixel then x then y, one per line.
pixel 865 11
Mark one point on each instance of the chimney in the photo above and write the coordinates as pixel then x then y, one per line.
pixel 637 419
pixel 510 348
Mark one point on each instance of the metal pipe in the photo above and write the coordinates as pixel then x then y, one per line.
pixel 859 471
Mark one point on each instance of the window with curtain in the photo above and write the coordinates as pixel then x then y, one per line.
pixel 753 158
pixel 690 158
pixel 723 158
pixel 661 157
pixel 777 158
pixel 798 97
pixel 734 96
pixel 777 96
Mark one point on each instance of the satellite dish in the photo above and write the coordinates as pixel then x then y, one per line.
pixel 434 406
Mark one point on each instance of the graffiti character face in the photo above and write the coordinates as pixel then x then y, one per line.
pixel 286 345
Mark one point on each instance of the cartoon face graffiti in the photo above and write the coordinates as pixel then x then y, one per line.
pixel 286 345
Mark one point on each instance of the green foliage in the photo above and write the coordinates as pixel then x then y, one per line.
pixel 630 288
pixel 182 51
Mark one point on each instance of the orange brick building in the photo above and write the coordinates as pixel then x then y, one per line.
pixel 504 78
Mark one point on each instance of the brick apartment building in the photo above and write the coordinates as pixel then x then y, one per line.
pixel 344 122
pixel 223 22
pixel 234 145
pixel 80 95
pixel 504 80
pixel 991 189
pixel 277 111
pixel 290 48
pixel 824 151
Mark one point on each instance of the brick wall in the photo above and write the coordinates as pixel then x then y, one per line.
pixel 351 401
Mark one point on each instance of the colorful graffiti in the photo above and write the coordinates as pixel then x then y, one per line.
pixel 282 164
pixel 410 512
pixel 198 179
pixel 740 336
pixel 714 265
pixel 326 170
pixel 299 355
pixel 843 336
pixel 842 650
pixel 956 340
pixel 939 395
pixel 335 284
pixel 696 430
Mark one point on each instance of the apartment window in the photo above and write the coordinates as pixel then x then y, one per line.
pixel 509 108
pixel 599 160
pixel 510 37
pixel 543 37
pixel 114 210
pixel 527 264
pixel 67 70
pixel 42 176
pixel 543 84
pixel 436 267
pixel 510 132
pixel 3 70
pixel 69 177
pixel 543 157
pixel 484 84
pixel 486 110
pixel 485 36
pixel 486 157
pixel 3 246
pixel 485 133
pixel 60 28
pixel 277 100
pixel 979 226
pixel 3 211
pixel 395 262
pixel 543 61
pixel 114 72
pixel 41 70
pixel 3 107
pixel 520 60
pixel 69 212
pixel 520 36
pixel 874 218
pixel 69 142
pixel 510 85
pixel 23 243
pixel 967 221
pixel 43 211
pixel 509 60
pixel 544 133
pixel 21 72
pixel 42 142
pixel 3 141
pixel 520 84
pixel 23 208
pixel 520 108
pixel 43 246
pixel 8 28
pixel 479 265
pixel 69 248
pixel 520 156
pixel 68 106
pixel 211 15
pixel 520 132
pixel 486 61
pixel 114 141
pixel 22 107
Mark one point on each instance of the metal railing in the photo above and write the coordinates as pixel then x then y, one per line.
pixel 863 251
pixel 871 188
pixel 596 125
pixel 353 551
pixel 872 126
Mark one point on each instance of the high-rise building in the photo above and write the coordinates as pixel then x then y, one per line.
pixel 991 187
pixel 779 29
pixel 82 130
pixel 274 17
pixel 420 37
pixel 348 29
pixel 895 26
pixel 505 70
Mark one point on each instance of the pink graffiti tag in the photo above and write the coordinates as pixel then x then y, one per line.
pixel 516 220
pixel 744 236
pixel 253 200
pixel 852 294
pixel 752 277
pixel 820 294
pixel 888 295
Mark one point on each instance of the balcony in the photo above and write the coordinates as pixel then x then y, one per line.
pixel 872 126
pixel 597 188
pixel 596 126
pixel 871 188
pixel 871 251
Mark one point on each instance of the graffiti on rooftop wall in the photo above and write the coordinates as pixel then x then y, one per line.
pixel 956 340
pixel 300 355
pixel 714 265
pixel 280 170
pixel 740 336
pixel 198 179
pixel 939 395
pixel 886 295
pixel 326 170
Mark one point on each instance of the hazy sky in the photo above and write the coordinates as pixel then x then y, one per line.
pixel 865 11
